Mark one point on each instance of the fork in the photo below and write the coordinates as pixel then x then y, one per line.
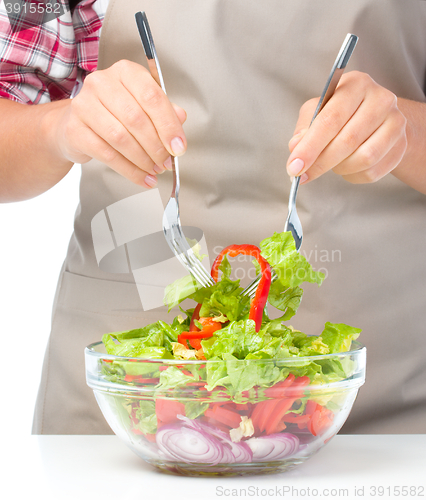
pixel 293 223
pixel 171 221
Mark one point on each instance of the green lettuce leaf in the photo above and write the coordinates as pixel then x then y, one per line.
pixel 338 336
pixel 173 377
pixel 133 347
pixel 291 267
pixel 287 300
pixel 194 409
pixel 182 288
pixel 239 338
pixel 244 375
pixel 147 419
pixel 179 290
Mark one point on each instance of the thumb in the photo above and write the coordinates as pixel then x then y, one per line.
pixel 305 117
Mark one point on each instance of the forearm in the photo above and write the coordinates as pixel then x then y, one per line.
pixel 412 168
pixel 30 160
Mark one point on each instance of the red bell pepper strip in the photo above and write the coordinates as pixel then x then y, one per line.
pixel 267 410
pixel 293 418
pixel 278 390
pixel 297 389
pixel 320 420
pixel 269 415
pixel 195 316
pixel 195 334
pixel 140 379
pixel 259 301
pixel 310 407
pixel 280 410
pixel 167 411
pixel 210 325
pixel 224 416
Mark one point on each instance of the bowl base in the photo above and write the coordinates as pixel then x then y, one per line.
pixel 223 470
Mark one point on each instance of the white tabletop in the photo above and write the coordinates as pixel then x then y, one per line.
pixel 102 467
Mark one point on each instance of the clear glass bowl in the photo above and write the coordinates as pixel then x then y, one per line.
pixel 164 411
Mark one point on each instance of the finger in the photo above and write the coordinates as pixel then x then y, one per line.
pixel 329 122
pixel 366 121
pixel 129 113
pixel 115 134
pixel 156 105
pixel 294 141
pixel 180 113
pixel 95 147
pixel 382 168
pixel 375 148
pixel 305 115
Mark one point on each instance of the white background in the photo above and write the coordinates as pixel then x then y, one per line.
pixel 34 239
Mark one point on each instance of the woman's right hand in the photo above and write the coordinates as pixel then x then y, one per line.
pixel 124 119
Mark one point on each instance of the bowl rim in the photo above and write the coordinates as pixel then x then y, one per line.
pixel 357 348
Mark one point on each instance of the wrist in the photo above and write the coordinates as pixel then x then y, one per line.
pixel 412 168
pixel 51 120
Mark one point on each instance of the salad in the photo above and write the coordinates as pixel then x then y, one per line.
pixel 234 385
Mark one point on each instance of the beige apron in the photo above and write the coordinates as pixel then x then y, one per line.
pixel 242 69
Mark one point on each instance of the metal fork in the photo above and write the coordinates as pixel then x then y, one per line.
pixel 171 221
pixel 293 223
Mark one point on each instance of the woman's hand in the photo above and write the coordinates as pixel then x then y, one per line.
pixel 123 118
pixel 360 133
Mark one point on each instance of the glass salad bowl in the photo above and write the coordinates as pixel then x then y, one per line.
pixel 229 417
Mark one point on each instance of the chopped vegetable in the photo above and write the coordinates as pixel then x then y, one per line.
pixel 274 447
pixel 262 291
pixel 245 429
pixel 251 397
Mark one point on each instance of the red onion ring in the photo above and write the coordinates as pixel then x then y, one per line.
pixel 233 452
pixel 188 445
pixel 273 447
pixel 196 442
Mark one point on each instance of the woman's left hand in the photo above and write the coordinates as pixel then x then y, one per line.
pixel 360 133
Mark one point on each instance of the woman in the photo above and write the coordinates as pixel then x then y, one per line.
pixel 241 71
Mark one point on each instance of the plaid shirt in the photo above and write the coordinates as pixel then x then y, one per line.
pixel 48 62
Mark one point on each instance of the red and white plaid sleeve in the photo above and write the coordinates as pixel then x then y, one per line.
pixel 48 62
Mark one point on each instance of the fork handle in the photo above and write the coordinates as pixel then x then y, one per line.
pixel 337 70
pixel 149 48
pixel 155 70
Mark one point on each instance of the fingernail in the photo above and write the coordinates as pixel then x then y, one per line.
pixel 158 169
pixel 168 163
pixel 150 180
pixel 177 146
pixel 303 178
pixel 295 167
